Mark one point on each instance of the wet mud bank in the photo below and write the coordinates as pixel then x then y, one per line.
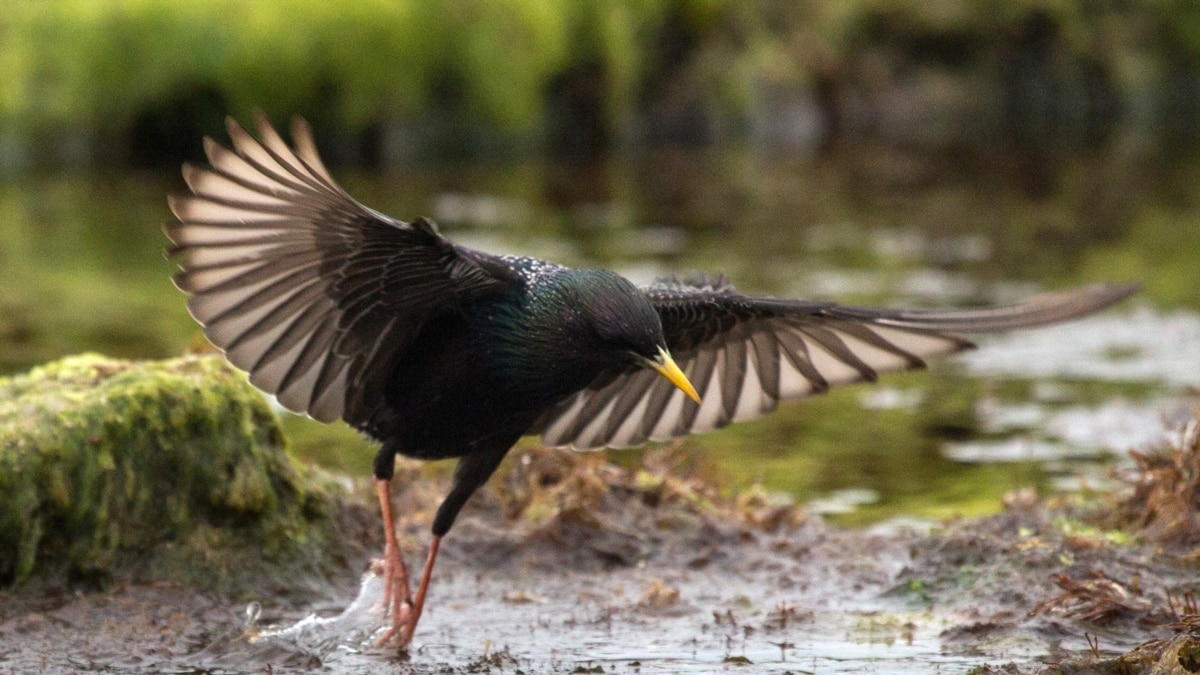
pixel 568 564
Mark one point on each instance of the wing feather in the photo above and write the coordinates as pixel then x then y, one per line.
pixel 623 422
pixel 656 405
pixel 766 355
pixel 732 375
pixel 310 292
pixel 745 354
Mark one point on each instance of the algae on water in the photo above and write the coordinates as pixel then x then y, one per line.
pixel 175 470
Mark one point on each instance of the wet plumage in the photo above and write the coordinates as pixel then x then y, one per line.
pixel 439 351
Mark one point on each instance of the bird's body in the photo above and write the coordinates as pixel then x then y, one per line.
pixel 476 379
pixel 439 351
pixel 497 363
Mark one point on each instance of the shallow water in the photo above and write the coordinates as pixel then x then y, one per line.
pixel 81 265
pixel 801 600
pixel 486 624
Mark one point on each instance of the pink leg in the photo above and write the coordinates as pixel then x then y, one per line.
pixel 419 602
pixel 397 600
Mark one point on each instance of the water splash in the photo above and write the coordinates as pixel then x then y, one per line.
pixel 310 642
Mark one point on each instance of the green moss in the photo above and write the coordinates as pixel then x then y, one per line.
pixel 152 470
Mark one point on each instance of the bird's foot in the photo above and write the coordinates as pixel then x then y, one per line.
pixel 397 598
pixel 404 608
pixel 404 624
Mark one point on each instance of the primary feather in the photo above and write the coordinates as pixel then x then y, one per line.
pixel 300 285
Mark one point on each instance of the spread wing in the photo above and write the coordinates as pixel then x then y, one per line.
pixel 308 291
pixel 745 354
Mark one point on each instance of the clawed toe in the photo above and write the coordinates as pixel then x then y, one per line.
pixel 403 626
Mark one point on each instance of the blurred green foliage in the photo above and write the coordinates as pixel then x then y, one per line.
pixel 97 64
pixel 97 61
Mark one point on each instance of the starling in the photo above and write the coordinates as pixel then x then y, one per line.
pixel 436 351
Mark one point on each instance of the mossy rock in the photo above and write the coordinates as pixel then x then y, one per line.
pixel 140 471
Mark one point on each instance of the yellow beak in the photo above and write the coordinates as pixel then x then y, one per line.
pixel 666 367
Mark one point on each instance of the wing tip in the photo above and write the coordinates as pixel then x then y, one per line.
pixel 261 120
pixel 211 149
pixel 300 129
pixel 234 128
pixel 1058 306
pixel 177 202
pixel 1121 290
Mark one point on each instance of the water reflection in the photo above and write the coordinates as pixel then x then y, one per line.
pixel 1142 345
pixel 81 269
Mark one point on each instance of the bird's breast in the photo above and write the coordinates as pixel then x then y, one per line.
pixel 469 379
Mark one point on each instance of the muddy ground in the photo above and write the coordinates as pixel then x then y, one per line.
pixel 569 565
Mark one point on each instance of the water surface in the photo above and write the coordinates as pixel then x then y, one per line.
pixel 81 269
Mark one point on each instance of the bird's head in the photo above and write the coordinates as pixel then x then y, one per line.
pixel 620 326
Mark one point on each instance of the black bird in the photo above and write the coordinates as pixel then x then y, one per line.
pixel 437 351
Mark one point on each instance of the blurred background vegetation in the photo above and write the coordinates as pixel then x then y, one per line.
pixel 138 81
pixel 883 151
